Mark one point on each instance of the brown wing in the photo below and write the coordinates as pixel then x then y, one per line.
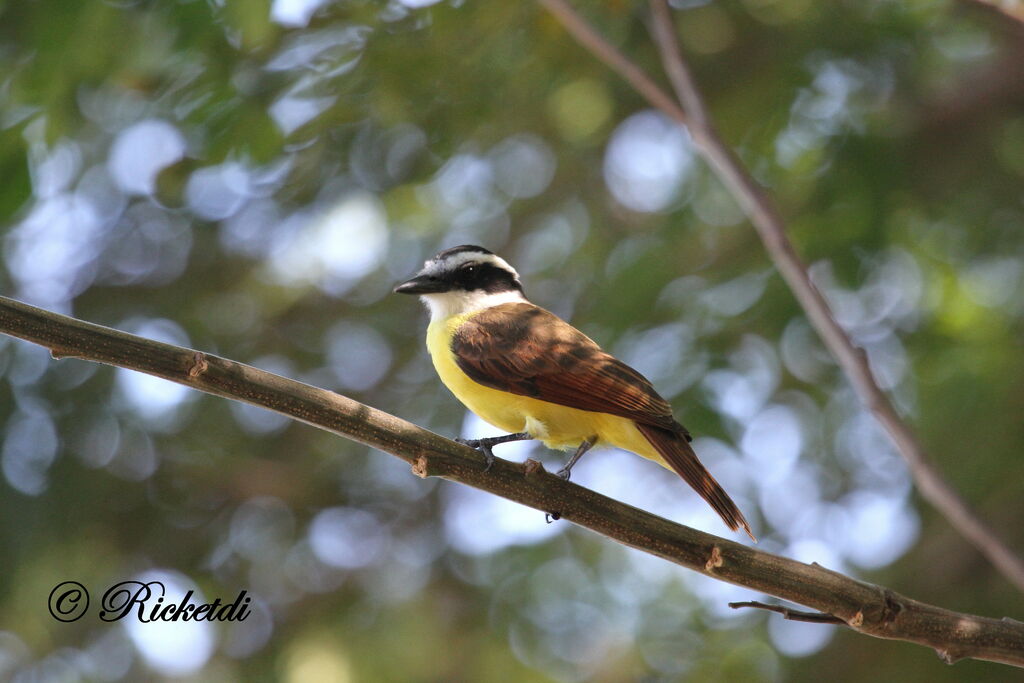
pixel 526 350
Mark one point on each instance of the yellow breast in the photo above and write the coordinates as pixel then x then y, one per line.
pixel 556 425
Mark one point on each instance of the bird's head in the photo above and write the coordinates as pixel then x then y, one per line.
pixel 463 279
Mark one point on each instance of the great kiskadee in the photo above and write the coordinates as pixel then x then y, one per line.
pixel 530 373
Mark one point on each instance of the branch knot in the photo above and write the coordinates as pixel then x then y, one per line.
pixel 714 560
pixel 198 365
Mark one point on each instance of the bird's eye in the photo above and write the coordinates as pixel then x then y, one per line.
pixel 469 270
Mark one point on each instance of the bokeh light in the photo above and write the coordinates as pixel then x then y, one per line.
pixel 648 159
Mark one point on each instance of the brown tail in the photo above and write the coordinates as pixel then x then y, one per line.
pixel 678 453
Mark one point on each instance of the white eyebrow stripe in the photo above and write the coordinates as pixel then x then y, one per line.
pixel 450 263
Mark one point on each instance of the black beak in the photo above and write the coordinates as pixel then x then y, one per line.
pixel 422 284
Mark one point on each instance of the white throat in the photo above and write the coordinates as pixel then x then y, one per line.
pixel 447 304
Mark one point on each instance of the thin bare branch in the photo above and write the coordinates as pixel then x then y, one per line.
pixel 585 34
pixel 770 227
pixel 866 608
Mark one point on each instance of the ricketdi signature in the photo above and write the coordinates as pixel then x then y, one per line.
pixel 146 602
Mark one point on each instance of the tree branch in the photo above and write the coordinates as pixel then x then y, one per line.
pixel 770 227
pixel 864 607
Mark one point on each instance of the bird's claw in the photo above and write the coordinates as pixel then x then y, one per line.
pixel 483 447
pixel 564 473
pixel 488 456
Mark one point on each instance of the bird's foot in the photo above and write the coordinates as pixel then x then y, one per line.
pixel 484 447
pixel 583 448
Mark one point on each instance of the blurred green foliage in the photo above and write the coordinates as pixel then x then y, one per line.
pixel 250 178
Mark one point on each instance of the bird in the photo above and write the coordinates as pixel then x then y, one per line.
pixel 526 371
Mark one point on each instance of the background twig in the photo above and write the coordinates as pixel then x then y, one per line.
pixel 791 614
pixel 771 229
pixel 867 608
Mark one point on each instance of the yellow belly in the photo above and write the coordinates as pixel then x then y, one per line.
pixel 557 426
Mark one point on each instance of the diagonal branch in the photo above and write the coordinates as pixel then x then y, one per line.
pixel 869 609
pixel 770 227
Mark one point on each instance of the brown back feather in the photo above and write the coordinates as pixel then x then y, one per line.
pixel 526 350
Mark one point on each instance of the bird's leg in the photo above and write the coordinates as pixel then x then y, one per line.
pixel 484 445
pixel 583 448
